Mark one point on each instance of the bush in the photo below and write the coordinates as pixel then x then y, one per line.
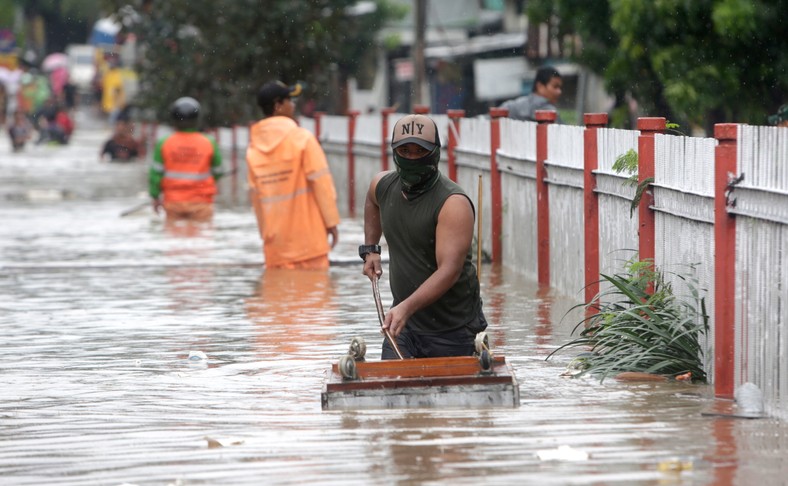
pixel 638 324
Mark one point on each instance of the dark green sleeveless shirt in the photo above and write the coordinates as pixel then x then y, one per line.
pixel 409 228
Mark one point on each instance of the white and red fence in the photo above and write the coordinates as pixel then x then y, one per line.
pixel 555 210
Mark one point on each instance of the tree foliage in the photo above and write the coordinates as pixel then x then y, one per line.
pixel 699 61
pixel 222 51
pixel 65 21
pixel 71 10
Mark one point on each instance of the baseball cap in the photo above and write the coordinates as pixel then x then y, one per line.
pixel 274 90
pixel 780 116
pixel 418 129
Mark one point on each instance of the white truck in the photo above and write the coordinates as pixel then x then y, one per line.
pixel 81 66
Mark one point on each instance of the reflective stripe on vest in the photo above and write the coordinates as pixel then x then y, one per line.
pixel 317 175
pixel 190 176
pixel 284 197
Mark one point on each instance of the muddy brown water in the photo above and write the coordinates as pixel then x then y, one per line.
pixel 100 314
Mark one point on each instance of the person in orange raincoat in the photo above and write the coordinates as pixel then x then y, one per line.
pixel 185 167
pixel 292 190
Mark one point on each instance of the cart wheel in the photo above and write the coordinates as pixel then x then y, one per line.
pixel 347 367
pixel 358 348
pixel 481 342
pixel 485 361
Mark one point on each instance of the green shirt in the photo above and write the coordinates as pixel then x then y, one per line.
pixel 409 228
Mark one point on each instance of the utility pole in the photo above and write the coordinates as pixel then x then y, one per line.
pixel 417 52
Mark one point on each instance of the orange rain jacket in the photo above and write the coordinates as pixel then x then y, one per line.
pixel 293 192
pixel 185 168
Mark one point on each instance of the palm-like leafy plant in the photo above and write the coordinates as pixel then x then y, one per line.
pixel 640 325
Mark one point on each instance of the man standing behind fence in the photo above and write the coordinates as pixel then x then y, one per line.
pixel 780 119
pixel 544 96
pixel 292 190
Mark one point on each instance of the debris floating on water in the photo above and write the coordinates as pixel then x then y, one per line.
pixel 749 398
pixel 214 444
pixel 676 464
pixel 639 376
pixel 197 359
pixel 562 453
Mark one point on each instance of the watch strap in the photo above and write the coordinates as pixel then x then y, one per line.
pixel 363 250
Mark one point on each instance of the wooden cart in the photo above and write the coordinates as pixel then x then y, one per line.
pixel 458 382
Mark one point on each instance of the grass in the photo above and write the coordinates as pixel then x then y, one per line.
pixel 640 325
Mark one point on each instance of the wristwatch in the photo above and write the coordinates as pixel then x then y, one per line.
pixel 364 249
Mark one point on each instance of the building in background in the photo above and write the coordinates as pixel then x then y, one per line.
pixel 477 54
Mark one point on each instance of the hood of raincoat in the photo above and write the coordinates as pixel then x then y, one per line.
pixel 269 133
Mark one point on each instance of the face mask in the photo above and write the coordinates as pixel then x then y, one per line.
pixel 418 175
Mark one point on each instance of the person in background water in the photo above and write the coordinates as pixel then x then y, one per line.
pixel 62 127
pixel 3 103
pixel 122 146
pixel 292 190
pixel 113 94
pixel 185 167
pixel 780 119
pixel 20 130
pixel 428 223
pixel 544 96
pixel 44 120
pixel 54 123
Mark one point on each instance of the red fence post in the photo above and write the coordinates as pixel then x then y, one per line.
pixel 592 121
pixel 421 109
pixel 318 125
pixel 351 161
pixel 234 161
pixel 495 182
pixel 144 133
pixel 148 143
pixel 234 153
pixel 385 137
pixel 646 217
pixel 725 167
pixel 544 118
pixel 454 132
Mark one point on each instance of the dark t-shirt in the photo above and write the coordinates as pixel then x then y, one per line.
pixel 410 230
pixel 121 151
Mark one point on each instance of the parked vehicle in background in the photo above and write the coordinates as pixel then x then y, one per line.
pixel 81 66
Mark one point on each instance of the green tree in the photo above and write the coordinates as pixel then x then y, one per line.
pixel 221 51
pixel 7 11
pixel 700 62
pixel 65 21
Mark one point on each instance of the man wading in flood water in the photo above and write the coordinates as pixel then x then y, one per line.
pixel 428 223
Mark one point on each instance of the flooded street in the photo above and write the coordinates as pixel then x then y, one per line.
pixel 100 314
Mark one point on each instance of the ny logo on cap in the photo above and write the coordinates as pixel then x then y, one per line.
pixel 410 128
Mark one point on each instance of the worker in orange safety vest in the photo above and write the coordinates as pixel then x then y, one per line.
pixel 185 167
pixel 292 190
